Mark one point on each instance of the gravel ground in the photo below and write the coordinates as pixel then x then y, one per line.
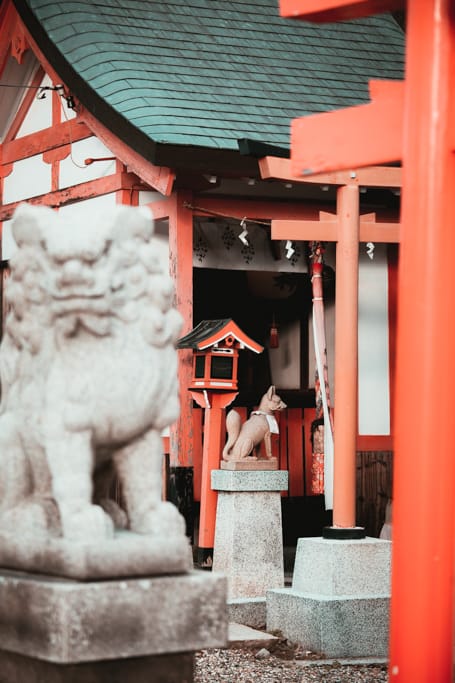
pixel 286 664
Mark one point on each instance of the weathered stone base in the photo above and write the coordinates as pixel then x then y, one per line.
pixel 70 622
pixel 248 611
pixel 127 554
pixel 335 627
pixel 156 669
pixel 249 464
pixel 339 601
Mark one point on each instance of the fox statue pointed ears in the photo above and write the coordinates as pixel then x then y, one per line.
pixel 243 438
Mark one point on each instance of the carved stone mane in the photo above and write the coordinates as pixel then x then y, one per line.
pixel 88 372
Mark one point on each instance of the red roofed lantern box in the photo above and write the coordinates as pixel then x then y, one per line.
pixel 216 345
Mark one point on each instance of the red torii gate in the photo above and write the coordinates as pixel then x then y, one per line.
pixel 422 112
pixel 347 228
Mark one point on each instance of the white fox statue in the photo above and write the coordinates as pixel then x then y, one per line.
pixel 243 438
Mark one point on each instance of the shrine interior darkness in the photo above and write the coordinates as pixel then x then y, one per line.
pixel 221 293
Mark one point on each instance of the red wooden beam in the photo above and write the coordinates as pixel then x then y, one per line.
pixel 335 10
pixel 160 178
pixel 92 188
pixel 257 209
pixel 366 135
pixel 422 606
pixel 346 355
pixel 327 230
pixel 162 208
pixel 44 140
pixel 372 176
pixel 181 271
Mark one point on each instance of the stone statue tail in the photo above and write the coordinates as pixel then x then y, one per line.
pixel 233 424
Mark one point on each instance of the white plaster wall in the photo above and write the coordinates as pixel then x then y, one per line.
pixel 374 394
pixel 148 197
pixel 373 343
pixel 73 169
pixel 8 243
pixel 284 360
pixel 29 178
pixel 95 203
pixel 39 115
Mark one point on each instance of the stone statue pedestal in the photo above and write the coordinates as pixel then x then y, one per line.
pixel 126 554
pixel 248 464
pixel 338 604
pixel 248 538
pixel 143 630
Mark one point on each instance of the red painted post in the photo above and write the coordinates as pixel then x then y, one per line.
pixel 422 608
pixel 213 439
pixel 181 270
pixel 346 297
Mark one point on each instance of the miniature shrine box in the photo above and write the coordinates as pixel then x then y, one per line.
pixel 216 345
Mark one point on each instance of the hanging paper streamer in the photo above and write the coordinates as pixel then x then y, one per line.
pixel 243 237
pixel 290 251
pixel 321 461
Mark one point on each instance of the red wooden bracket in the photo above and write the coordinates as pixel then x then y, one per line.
pixel 354 137
pixel 335 10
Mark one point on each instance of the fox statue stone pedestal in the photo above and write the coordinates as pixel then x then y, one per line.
pixel 249 539
pixel 96 578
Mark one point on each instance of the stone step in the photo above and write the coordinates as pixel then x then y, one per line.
pixel 241 635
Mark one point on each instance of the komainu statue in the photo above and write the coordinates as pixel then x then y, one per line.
pixel 88 371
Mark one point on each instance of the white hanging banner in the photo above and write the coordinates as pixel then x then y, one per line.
pixel 328 436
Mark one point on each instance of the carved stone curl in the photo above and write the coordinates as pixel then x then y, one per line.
pixel 88 371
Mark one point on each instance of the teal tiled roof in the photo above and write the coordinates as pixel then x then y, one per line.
pixel 206 72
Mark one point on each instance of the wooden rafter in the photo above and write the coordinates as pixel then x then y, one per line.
pixel 45 140
pixel 87 190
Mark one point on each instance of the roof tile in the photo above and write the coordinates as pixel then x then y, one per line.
pixel 209 73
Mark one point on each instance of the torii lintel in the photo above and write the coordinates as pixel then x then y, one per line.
pixel 278 168
pixel 335 10
pixel 364 135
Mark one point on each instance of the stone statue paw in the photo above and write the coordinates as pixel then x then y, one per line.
pixel 163 520
pixel 85 522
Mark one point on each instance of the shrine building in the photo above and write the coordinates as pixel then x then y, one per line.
pixel 186 108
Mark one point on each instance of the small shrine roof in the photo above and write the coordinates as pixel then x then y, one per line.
pixel 208 74
pixel 212 332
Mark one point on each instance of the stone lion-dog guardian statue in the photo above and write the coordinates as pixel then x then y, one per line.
pixel 88 371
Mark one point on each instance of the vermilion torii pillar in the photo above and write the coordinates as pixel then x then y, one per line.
pixel 422 606
pixel 347 228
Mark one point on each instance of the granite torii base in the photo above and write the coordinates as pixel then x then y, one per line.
pixel 248 546
pixel 338 604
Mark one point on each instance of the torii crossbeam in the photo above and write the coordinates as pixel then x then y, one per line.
pixel 422 605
